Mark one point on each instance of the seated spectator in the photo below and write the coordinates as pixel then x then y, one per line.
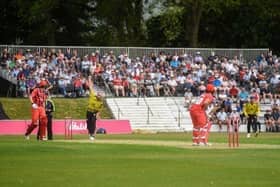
pixel 188 98
pixel 222 93
pixel 30 84
pixel 188 83
pixel 22 88
pixel 174 63
pixel 125 85
pixel 117 85
pixel 275 83
pixel 158 87
pixel 181 81
pixel 269 121
pixel 141 85
pixel 276 117
pixel 221 118
pixel 165 87
pixel 85 66
pixel 62 86
pixel 233 92
pixel 201 88
pixel 78 86
pixel 276 102
pixel 97 73
pixel 264 91
pixel 255 95
pixel 172 83
pixel 149 86
pixel 217 82
pixel 243 95
pixel 132 85
pixel 228 105
pixel 239 109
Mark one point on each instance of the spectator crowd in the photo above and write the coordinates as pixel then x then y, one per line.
pixel 162 74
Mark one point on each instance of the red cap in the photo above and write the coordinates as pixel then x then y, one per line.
pixel 210 88
pixel 42 84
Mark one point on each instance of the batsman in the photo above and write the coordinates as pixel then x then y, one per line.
pixel 39 118
pixel 201 118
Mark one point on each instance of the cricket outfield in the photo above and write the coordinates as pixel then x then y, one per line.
pixel 163 159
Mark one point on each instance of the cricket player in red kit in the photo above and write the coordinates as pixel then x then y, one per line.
pixel 201 123
pixel 38 99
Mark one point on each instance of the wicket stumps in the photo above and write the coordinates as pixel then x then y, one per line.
pixel 233 134
pixel 68 128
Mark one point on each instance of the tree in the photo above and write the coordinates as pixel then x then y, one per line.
pixel 9 28
pixel 53 21
pixel 193 11
pixel 121 20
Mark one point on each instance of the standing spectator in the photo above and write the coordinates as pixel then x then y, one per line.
pixel 95 104
pixel 38 98
pixel 251 111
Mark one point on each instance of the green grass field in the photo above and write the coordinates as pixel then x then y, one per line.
pixel 20 108
pixel 163 159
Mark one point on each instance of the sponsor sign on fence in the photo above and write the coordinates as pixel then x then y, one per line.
pixel 16 127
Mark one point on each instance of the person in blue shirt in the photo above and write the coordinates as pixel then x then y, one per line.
pixel 243 96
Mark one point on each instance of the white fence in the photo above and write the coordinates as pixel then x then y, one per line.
pixel 244 54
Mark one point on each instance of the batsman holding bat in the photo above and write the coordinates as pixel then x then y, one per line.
pixel 201 118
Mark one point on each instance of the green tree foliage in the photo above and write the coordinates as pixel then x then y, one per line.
pixel 166 29
pixel 177 23
pixel 53 21
pixel 250 24
pixel 9 27
pixel 119 22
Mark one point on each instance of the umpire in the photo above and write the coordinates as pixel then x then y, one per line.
pixel 251 111
pixel 50 108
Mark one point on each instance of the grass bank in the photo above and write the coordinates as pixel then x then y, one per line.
pixel 20 108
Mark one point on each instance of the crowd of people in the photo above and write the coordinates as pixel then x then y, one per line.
pixel 163 74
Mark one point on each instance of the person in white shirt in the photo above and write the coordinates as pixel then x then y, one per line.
pixel 172 83
pixel 221 118
pixel 188 98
